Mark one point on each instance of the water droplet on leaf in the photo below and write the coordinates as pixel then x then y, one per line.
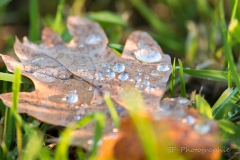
pixel 63 76
pixel 43 78
pixel 137 79
pixel 99 77
pixel 90 77
pixel 72 97
pixel 80 70
pixel 183 101
pixel 139 86
pixel 103 65
pixel 77 118
pixel 81 45
pixel 149 89
pixel 119 68
pixel 107 70
pixel 111 75
pixel 146 83
pixel 123 77
pixel 162 67
pixel 154 73
pixel 93 39
pixel 142 44
pixel 148 55
pixel 189 120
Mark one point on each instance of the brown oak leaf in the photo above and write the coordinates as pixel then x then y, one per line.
pixel 71 78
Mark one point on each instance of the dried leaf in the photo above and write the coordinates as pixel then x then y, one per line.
pixel 69 77
pixel 188 134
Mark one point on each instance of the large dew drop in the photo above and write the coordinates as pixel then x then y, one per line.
pixel 148 55
pixel 119 68
pixel 71 97
pixel 123 77
pixel 93 39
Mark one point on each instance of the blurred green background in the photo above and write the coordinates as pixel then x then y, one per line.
pixel 186 29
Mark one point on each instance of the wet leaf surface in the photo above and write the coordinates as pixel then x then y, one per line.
pixel 70 79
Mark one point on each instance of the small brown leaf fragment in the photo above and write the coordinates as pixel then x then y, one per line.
pixel 176 133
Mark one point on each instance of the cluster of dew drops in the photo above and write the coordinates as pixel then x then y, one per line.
pixel 147 55
pixel 200 127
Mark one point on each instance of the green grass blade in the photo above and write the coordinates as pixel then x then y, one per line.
pixel 32 152
pixel 213 75
pixel 112 110
pixel 182 82
pixel 229 40
pixel 10 78
pixel 3 3
pixel 172 83
pixel 229 131
pixel 203 106
pixel 100 124
pixel 118 47
pixel 191 44
pixel 66 136
pixel 147 136
pixel 106 17
pixel 15 97
pixel 4 109
pixel 143 125
pixel 153 20
pixel 227 47
pixel 234 29
pixel 233 112
pixel 59 17
pixel 16 88
pixel 234 10
pixel 220 108
pixel 34 20
pixel 171 44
